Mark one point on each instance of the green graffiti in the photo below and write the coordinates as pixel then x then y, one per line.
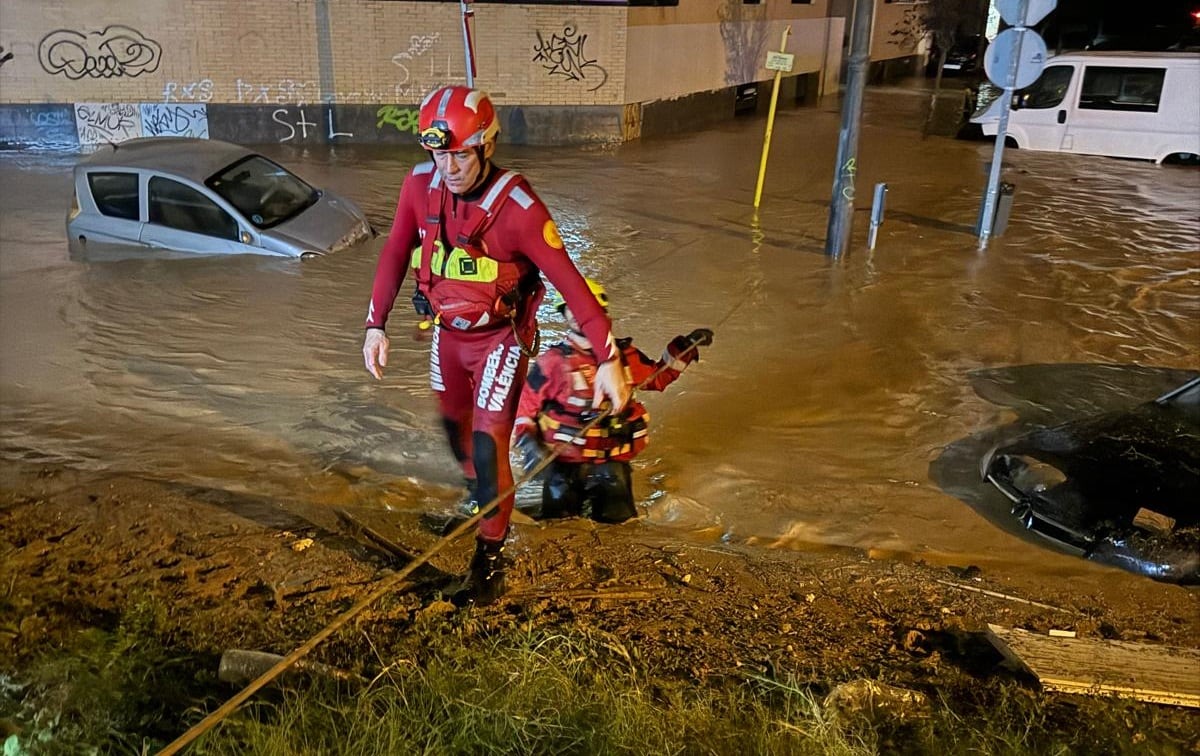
pixel 404 119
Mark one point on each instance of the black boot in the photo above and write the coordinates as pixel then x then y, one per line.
pixel 485 576
pixel 446 520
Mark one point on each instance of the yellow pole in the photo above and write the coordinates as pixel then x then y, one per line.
pixel 762 168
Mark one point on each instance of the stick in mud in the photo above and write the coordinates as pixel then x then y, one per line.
pixel 1004 596
pixel 387 585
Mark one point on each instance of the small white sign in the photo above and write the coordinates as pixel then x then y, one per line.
pixel 780 61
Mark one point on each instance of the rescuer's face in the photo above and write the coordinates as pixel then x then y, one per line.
pixel 462 170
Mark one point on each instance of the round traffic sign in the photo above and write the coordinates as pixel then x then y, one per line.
pixel 1024 46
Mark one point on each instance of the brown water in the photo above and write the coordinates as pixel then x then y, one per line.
pixel 837 406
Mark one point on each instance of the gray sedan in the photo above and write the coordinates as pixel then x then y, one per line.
pixel 204 196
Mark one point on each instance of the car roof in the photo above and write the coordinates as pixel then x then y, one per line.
pixel 1125 56
pixel 196 159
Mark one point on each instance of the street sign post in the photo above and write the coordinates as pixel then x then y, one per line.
pixel 1014 60
pixel 777 62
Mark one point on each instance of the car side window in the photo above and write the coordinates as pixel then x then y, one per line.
pixel 181 207
pixel 116 194
pixel 1049 90
pixel 1127 89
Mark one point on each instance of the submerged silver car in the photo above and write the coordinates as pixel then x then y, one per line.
pixel 204 196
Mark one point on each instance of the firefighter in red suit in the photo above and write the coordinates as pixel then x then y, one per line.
pixel 476 238
pixel 591 475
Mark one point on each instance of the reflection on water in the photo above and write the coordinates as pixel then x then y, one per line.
pixel 812 420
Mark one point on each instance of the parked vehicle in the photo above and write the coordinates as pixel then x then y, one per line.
pixel 1121 104
pixel 1120 488
pixel 963 57
pixel 204 196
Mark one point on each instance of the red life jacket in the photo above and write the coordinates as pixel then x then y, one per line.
pixel 465 288
pixel 617 438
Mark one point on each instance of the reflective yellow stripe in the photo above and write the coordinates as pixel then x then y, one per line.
pixel 439 253
pixel 458 265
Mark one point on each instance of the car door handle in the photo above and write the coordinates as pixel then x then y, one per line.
pixel 1062 116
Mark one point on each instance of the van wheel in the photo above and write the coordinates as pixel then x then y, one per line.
pixel 1182 158
pixel 1010 142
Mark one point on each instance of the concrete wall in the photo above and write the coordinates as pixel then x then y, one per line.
pixel 726 43
pixel 353 70
pixel 895 32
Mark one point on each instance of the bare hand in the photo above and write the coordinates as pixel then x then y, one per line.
pixel 611 385
pixel 375 352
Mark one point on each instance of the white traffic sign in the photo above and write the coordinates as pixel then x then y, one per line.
pixel 779 61
pixel 1025 46
pixel 1034 11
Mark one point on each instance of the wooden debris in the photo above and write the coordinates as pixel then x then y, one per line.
pixel 611 594
pixel 1153 522
pixel 1158 674
pixel 1004 596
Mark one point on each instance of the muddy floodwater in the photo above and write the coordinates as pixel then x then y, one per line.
pixel 843 403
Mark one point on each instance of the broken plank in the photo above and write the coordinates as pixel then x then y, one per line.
pixel 1158 674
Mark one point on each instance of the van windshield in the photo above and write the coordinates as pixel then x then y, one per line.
pixel 1049 90
pixel 265 193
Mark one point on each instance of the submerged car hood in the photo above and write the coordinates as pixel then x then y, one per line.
pixel 1120 488
pixel 329 225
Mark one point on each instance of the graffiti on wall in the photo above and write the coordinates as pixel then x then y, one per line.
pixel 113 122
pixel 116 51
pixel 404 120
pixel 161 119
pixel 279 92
pixel 563 55
pixel 193 91
pixel 298 125
pixel 418 45
pixel 5 56
pixel 104 122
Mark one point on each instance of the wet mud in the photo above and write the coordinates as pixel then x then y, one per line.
pixel 810 499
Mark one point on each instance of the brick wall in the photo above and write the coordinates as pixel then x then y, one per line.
pixel 276 70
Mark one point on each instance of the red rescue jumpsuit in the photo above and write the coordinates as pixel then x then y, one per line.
pixel 478 373
pixel 591 475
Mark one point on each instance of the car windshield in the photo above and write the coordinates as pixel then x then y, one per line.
pixel 265 193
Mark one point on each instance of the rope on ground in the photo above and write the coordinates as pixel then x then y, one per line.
pixel 388 584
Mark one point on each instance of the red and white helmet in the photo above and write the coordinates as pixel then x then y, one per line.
pixel 456 118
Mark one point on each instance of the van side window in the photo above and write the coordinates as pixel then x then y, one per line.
pixel 181 207
pixel 1135 90
pixel 1049 90
pixel 116 194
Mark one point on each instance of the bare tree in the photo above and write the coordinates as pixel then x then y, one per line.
pixel 944 22
pixel 744 32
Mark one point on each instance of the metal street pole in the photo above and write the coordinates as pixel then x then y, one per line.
pixel 468 43
pixel 841 209
pixel 762 167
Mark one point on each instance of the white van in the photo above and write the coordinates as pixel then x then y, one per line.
pixel 1124 104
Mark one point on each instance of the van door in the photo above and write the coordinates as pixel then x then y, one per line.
pixel 1039 119
pixel 1117 111
pixel 182 218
